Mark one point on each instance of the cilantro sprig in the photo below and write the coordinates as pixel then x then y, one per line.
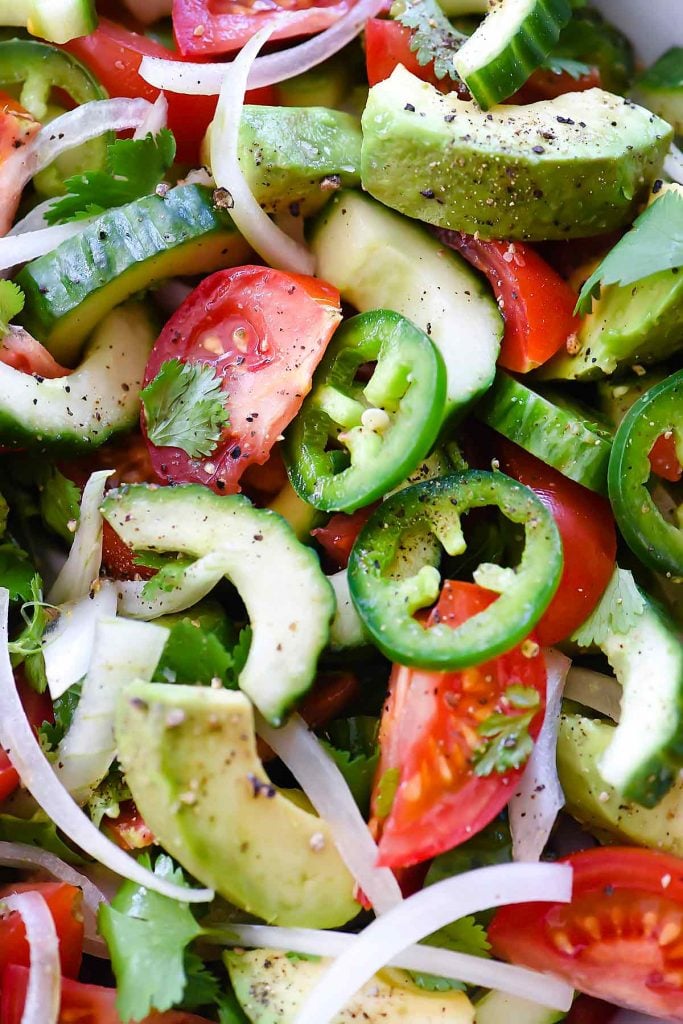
pixel 434 38
pixel 185 408
pixel 654 244
pixel 507 743
pixel 134 168
pixel 618 611
pixel 11 304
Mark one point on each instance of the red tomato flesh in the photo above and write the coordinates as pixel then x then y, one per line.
pixel 387 44
pixel 17 128
pixel 536 303
pixel 264 332
pixel 664 459
pixel 621 937
pixel 114 55
pixel 338 536
pixel 128 830
pixel 586 524
pixel 80 1004
pixel 204 28
pixel 64 902
pixel 428 734
pixel 22 352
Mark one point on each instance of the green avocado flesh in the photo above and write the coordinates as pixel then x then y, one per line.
pixel 189 757
pixel 581 745
pixel 271 988
pixel 575 166
pixel 124 251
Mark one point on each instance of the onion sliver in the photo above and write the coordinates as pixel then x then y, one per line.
pixel 68 643
pixel 533 809
pixel 29 245
pixel 673 165
pixel 326 788
pixel 35 771
pixel 206 79
pixel 45 977
pixel 157 118
pixel 474 970
pixel 23 857
pixel 423 914
pixel 594 690
pixel 253 223
pixel 82 566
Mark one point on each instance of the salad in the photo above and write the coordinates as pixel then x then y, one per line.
pixel 341 514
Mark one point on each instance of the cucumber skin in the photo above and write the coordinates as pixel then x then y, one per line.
pixel 125 250
pixel 546 431
pixel 519 57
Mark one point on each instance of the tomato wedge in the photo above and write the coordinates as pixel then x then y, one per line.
pixel 264 332
pixel 664 459
pixel 22 352
pixel 114 55
pixel 546 84
pixel 81 1004
pixel 621 937
pixel 205 28
pixel 64 902
pixel 536 303
pixel 17 128
pixel 128 830
pixel 387 44
pixel 429 742
pixel 586 524
pixel 338 536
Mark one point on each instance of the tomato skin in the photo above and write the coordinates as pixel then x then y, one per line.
pixel 9 776
pixel 17 128
pixel 228 25
pixel 586 523
pixel 387 44
pixel 620 937
pixel 80 1004
pixel 338 536
pixel 64 902
pixel 264 332
pixel 545 84
pixel 664 459
pixel 114 55
pixel 428 735
pixel 536 303
pixel 22 352
pixel 129 830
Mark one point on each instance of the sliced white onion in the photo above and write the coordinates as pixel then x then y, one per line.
pixel 82 567
pixel 673 165
pixel 35 771
pixel 253 223
pixel 533 809
pixel 326 788
pixel 594 690
pixel 156 119
pixel 24 857
pixel 473 970
pixel 29 245
pixel 45 977
pixel 123 651
pixel 424 913
pixel 35 219
pixel 68 643
pixel 197 581
pixel 206 79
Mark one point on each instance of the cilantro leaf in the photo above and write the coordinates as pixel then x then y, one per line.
pixel 463 936
pixel 507 741
pixel 168 578
pixel 493 845
pixel 60 503
pixel 201 986
pixel 64 709
pixel 37 831
pixel 11 303
pixel 229 1009
pixel 617 612
pixel 134 169
pixel 147 935
pixel 352 744
pixel 36 614
pixel 654 244
pixel 16 572
pixel 106 800
pixel 665 73
pixel 433 38
pixel 565 65
pixel 185 408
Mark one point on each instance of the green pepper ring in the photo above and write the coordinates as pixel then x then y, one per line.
pixel 386 602
pixel 656 542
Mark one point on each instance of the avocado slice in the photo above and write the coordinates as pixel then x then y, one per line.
pixel 581 745
pixel 189 758
pixel 271 987
pixel 69 290
pixel 571 167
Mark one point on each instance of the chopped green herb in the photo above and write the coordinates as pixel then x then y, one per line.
pixel 507 741
pixel 352 743
pixel 134 169
pixel 665 73
pixel 463 936
pixel 37 831
pixel 654 244
pixel 64 709
pixel 11 304
pixel 618 611
pixel 168 578
pixel 434 38
pixel 185 408
pixel 60 503
pixel 16 572
pixel 565 65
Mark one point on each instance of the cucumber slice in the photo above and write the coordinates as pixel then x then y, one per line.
pixel 123 252
pixel 83 410
pixel 500 1008
pixel 289 601
pixel 511 42
pixel 58 21
pixel 551 427
pixel 380 260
